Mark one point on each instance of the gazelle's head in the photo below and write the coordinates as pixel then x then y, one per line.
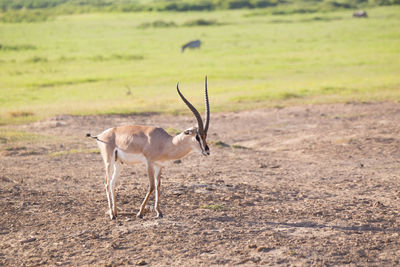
pixel 196 141
pixel 198 134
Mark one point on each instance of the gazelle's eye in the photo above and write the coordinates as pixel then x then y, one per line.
pixel 197 138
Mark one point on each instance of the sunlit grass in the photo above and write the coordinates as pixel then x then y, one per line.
pixel 84 64
pixel 8 136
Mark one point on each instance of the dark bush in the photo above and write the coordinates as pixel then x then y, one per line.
pixel 29 4
pixel 25 16
pixel 52 7
pixel 187 6
pixel 335 4
pixel 16 47
pixel 37 59
pixel 238 4
pixel 157 24
pixel 265 3
pixel 200 22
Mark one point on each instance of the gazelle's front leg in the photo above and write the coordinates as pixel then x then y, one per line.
pixel 157 176
pixel 150 171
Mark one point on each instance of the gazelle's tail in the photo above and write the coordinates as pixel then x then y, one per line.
pixel 91 136
pixel 95 137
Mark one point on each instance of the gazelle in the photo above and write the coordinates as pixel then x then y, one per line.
pixel 152 146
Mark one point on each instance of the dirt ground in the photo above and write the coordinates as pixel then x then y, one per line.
pixel 309 185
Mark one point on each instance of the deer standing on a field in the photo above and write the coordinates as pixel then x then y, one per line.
pixel 152 146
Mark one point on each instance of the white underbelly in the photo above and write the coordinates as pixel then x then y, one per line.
pixel 130 158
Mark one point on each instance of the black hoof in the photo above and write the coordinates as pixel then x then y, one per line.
pixel 140 216
pixel 159 215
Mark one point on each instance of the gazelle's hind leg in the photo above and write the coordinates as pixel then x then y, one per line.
pixel 150 171
pixel 157 178
pixel 112 171
pixel 113 208
pixel 107 186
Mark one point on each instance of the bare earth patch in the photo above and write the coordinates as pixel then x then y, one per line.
pixel 310 185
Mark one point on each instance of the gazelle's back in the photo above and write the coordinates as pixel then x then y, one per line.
pixel 135 138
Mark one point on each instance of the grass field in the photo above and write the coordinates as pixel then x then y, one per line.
pixel 84 64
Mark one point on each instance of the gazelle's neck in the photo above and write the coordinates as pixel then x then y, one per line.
pixel 179 147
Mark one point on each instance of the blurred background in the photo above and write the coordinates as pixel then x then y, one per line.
pixel 126 56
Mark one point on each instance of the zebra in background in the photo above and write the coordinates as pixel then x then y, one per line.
pixel 192 45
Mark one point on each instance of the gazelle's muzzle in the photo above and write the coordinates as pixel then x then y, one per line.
pixel 206 151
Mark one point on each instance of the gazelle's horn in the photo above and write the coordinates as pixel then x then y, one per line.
pixel 207 103
pixel 194 110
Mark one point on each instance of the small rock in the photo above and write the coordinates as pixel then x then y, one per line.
pixel 262 166
pixel 378 204
pixel 177 192
pixel 5 179
pixel 94 236
pixel 116 245
pixel 141 263
pixel 252 246
pixel 28 240
pixel 178 161
pixel 147 209
pixel 264 249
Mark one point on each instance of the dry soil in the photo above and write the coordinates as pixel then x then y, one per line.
pixel 306 185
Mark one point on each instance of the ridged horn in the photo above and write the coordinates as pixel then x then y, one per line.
pixel 194 110
pixel 207 103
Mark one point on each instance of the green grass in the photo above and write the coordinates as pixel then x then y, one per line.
pixel 83 64
pixel 8 136
pixel 219 144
